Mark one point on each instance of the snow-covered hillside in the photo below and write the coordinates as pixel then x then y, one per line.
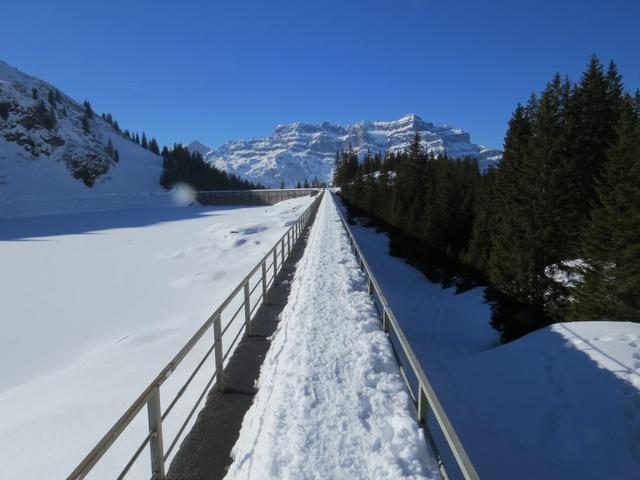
pixel 301 150
pixel 49 163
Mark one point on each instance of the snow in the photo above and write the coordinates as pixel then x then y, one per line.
pixel 331 402
pixel 562 402
pixel 94 305
pixel 568 272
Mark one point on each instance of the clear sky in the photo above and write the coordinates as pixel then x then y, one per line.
pixel 219 70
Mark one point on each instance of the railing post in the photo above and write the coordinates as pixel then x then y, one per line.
pixel 275 262
pixel 385 320
pixel 282 252
pixel 217 338
pixel 423 406
pixel 247 308
pixel 264 281
pixel 155 428
pixel 423 410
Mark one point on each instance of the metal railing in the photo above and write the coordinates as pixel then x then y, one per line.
pixel 422 394
pixel 265 272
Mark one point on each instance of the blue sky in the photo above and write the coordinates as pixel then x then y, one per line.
pixel 219 70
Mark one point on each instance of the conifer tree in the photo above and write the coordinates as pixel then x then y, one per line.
pixel 51 98
pixel 594 111
pixel 409 194
pixel 509 267
pixel 153 146
pixel 110 148
pixel 88 111
pixel 86 127
pixel 483 226
pixel 610 289
pixel 143 141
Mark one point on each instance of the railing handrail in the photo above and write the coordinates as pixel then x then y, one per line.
pixel 98 451
pixel 308 189
pixel 426 394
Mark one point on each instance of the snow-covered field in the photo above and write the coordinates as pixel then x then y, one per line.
pixel 563 402
pixel 94 305
pixel 331 402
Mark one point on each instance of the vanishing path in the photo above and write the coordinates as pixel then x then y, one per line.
pixel 331 402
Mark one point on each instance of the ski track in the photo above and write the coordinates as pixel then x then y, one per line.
pixel 331 402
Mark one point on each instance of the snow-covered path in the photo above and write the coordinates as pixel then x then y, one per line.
pixel 331 402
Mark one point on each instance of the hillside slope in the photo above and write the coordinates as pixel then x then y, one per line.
pixel 49 163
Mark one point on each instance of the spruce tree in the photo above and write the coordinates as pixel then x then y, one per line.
pixel 483 226
pixel 51 98
pixel 594 110
pixel 610 289
pixel 153 146
pixel 509 262
pixel 86 127
pixel 88 111
pixel 109 148
pixel 410 194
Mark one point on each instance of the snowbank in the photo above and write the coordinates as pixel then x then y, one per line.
pixel 331 402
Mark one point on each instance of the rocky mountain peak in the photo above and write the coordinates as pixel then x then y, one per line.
pixel 300 151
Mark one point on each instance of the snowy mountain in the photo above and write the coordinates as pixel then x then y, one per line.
pixel 301 150
pixel 55 157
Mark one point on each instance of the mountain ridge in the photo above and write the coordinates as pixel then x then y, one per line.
pixel 301 150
